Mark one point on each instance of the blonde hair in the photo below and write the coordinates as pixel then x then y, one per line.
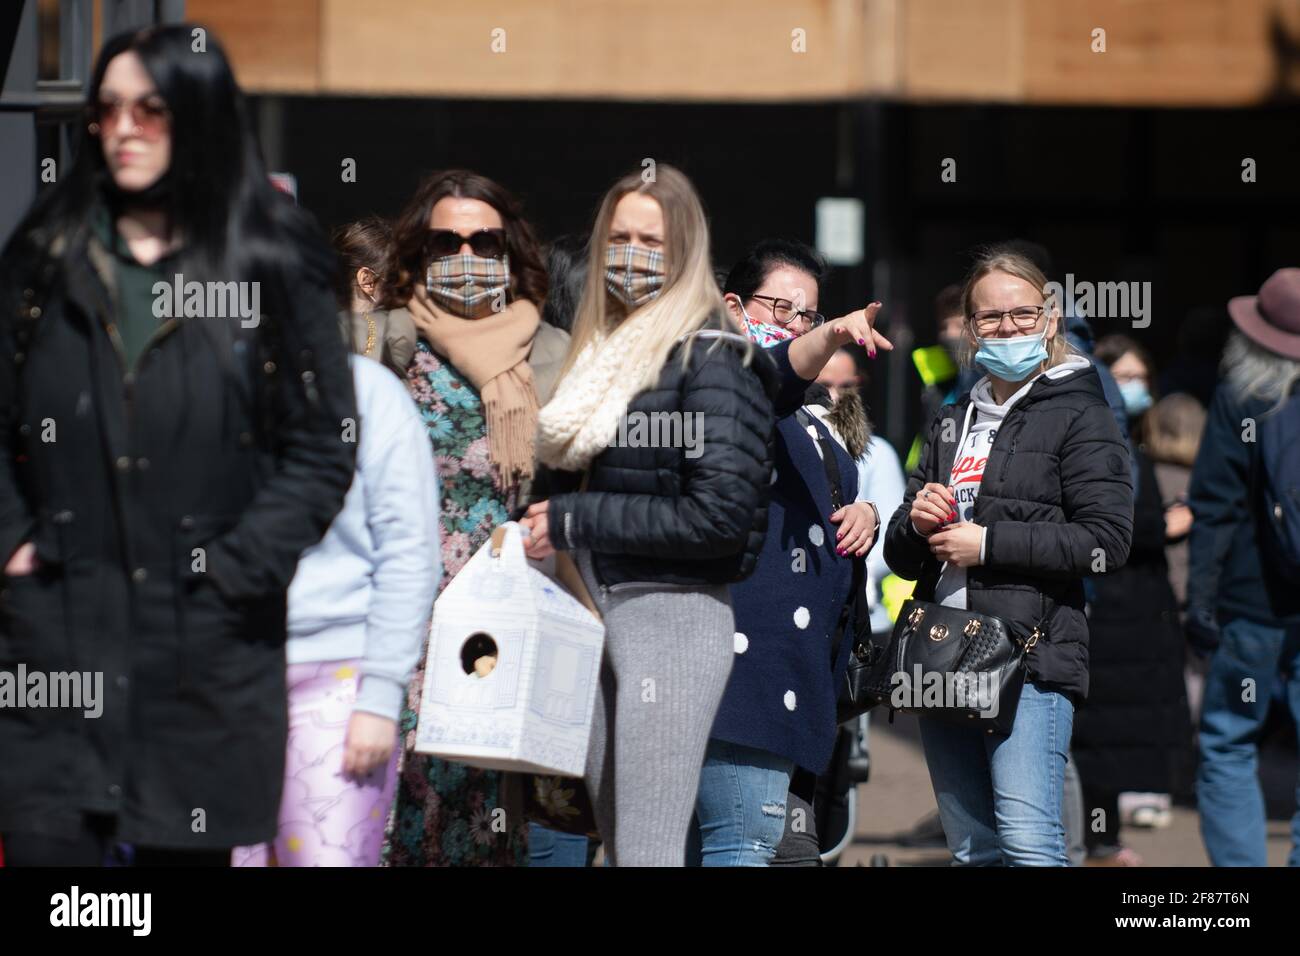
pixel 1171 429
pixel 690 295
pixel 1021 266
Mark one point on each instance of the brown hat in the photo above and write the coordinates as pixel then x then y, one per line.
pixel 1272 318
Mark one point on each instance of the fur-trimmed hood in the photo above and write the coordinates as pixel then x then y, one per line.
pixel 847 415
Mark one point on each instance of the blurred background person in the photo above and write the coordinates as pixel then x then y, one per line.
pixel 467 268
pixel 938 364
pixel 1171 435
pixel 197 456
pixel 657 529
pixel 881 481
pixel 388 337
pixel 1132 733
pixel 1243 600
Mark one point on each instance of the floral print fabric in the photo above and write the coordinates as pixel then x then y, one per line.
pixel 449 814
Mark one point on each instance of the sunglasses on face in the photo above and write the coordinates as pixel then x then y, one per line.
pixel 150 117
pixel 488 243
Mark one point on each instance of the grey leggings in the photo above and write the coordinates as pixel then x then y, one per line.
pixel 667 657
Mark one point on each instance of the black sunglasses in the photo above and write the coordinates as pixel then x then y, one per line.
pixel 488 243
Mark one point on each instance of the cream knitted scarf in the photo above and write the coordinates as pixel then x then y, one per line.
pixel 582 417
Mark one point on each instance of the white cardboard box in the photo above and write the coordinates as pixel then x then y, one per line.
pixel 532 713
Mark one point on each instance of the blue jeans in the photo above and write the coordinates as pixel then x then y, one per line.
pixel 1228 794
pixel 740 810
pixel 547 847
pixel 1000 796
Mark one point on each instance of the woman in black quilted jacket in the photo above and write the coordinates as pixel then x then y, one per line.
pixel 669 414
pixel 1023 489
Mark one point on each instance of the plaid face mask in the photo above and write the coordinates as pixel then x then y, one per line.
pixel 468 285
pixel 633 274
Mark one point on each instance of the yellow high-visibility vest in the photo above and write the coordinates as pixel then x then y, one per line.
pixel 893 592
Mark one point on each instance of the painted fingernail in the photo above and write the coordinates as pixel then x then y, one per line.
pixel 872 353
pixel 862 341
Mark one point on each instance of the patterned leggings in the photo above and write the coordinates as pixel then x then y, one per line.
pixel 325 818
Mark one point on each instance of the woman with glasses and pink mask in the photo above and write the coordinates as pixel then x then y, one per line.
pixel 1022 490
pixel 468 270
pixel 789 647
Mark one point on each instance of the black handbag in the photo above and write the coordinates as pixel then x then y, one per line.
pixel 945 662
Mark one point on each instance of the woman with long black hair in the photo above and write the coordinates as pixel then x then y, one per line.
pixel 177 423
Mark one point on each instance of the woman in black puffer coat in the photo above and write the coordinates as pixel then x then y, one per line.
pixel 670 415
pixel 1022 490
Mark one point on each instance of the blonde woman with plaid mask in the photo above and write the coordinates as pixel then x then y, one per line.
pixel 668 413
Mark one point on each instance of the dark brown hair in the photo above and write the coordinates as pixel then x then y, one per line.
pixel 948 302
pixel 407 264
pixel 1111 348
pixel 364 244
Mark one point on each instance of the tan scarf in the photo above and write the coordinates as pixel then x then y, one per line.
pixel 492 352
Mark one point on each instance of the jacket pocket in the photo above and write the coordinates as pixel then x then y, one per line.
pixel 33 622
pixel 198 606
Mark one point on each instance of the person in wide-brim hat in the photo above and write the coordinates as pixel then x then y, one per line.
pixel 1272 318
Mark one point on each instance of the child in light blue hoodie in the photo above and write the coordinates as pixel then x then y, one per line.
pixel 359 611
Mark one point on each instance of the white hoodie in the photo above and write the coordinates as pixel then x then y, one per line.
pixel 366 590
pixel 983 418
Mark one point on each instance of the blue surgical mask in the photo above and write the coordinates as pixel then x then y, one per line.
pixel 1137 399
pixel 1013 359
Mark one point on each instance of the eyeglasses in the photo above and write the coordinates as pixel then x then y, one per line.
pixel 1023 317
pixel 150 116
pixel 784 311
pixel 488 243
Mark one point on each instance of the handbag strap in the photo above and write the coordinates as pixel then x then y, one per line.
pixel 854 611
pixel 827 456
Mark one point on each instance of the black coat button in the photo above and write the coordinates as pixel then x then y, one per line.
pixel 187 523
pixel 139 575
pixel 124 463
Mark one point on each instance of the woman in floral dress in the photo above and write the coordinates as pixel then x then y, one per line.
pixel 467 268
